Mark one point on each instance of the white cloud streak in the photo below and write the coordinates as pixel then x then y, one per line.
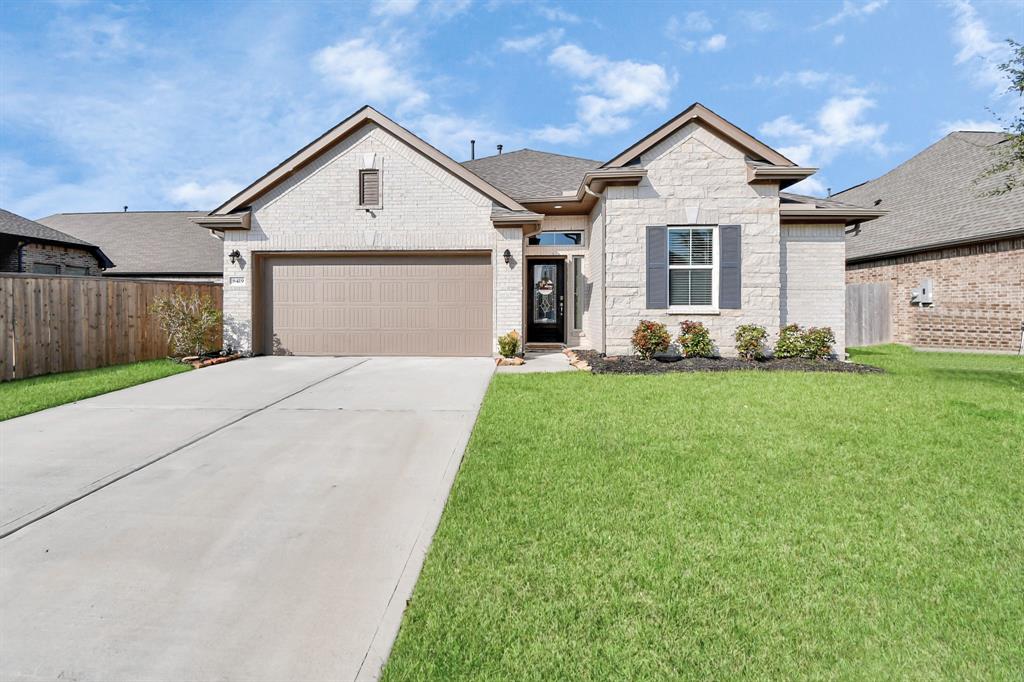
pixel 370 72
pixel 976 48
pixel 854 10
pixel 838 126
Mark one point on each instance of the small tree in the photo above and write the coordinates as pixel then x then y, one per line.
pixel 1009 164
pixel 190 322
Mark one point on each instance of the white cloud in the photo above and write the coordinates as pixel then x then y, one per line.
pixel 854 10
pixel 977 48
pixel 694 21
pixel 569 134
pixel 393 8
pixel 807 78
pixel 446 9
pixel 611 89
pixel 969 124
pixel 95 37
pixel 714 43
pixel 452 133
pixel 533 42
pixel 757 20
pixel 193 195
pixel 839 39
pixel 368 72
pixel 811 186
pixel 838 126
pixel 552 13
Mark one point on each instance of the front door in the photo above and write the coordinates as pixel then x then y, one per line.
pixel 546 307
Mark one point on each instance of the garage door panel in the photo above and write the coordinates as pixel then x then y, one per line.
pixel 407 304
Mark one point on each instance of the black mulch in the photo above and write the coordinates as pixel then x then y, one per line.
pixel 625 364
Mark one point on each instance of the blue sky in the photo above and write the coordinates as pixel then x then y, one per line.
pixel 166 105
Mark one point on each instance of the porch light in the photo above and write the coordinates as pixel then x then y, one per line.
pixel 508 256
pixel 234 256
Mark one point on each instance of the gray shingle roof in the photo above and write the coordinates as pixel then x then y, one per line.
pixel 932 200
pixel 790 198
pixel 529 174
pixel 147 242
pixel 16 226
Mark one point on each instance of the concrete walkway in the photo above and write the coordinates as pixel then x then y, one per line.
pixel 260 520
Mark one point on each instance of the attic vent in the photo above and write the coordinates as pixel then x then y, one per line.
pixel 369 187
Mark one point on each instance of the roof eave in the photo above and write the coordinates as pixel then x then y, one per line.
pixel 849 216
pixel 784 175
pixel 993 237
pixel 233 221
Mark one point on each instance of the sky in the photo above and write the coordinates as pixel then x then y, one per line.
pixel 168 105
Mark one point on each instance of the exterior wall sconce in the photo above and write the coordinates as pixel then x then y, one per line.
pixel 508 256
pixel 234 256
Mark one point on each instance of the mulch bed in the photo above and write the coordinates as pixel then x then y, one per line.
pixel 624 364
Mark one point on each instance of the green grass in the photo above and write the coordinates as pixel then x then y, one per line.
pixel 743 525
pixel 24 396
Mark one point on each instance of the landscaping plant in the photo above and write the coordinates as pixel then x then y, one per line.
pixel 695 340
pixel 817 343
pixel 750 341
pixel 190 322
pixel 649 338
pixel 508 344
pixel 790 343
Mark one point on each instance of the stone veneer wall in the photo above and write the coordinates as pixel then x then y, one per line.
pixel 50 254
pixel 978 295
pixel 813 290
pixel 693 177
pixel 423 208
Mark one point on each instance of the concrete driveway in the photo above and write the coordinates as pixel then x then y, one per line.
pixel 260 520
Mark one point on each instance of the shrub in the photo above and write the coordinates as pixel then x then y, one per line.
pixel 192 323
pixel 650 338
pixel 695 340
pixel 791 342
pixel 817 343
pixel 508 344
pixel 750 341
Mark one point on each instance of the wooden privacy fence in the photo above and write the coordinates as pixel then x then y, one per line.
pixel 867 314
pixel 54 324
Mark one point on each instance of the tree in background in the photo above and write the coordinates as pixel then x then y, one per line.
pixel 1010 155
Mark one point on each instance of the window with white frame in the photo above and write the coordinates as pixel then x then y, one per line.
pixel 691 266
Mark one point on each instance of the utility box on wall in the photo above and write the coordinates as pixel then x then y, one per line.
pixel 922 295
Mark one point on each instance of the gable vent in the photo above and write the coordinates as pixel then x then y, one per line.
pixel 369 187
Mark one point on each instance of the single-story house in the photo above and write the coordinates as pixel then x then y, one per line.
pixel 369 241
pixel 148 244
pixel 950 254
pixel 27 246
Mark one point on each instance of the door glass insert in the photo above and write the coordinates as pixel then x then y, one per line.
pixel 545 293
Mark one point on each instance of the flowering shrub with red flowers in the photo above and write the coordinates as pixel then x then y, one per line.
pixel 695 340
pixel 650 338
pixel 750 341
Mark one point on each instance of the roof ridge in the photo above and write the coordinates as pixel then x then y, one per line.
pixel 535 151
pixel 166 210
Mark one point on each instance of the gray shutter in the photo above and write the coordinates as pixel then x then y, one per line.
pixel 730 258
pixel 657 267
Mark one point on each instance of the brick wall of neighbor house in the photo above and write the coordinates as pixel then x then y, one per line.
pixel 52 254
pixel 813 280
pixel 564 223
pixel 978 295
pixel 692 169
pixel 424 208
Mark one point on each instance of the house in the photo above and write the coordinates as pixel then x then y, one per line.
pixel 27 246
pixel 369 241
pixel 960 248
pixel 148 244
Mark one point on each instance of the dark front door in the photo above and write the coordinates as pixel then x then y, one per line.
pixel 546 307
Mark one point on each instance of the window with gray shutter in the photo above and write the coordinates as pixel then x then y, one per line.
pixel 369 187
pixel 691 263
pixel 657 267
pixel 730 276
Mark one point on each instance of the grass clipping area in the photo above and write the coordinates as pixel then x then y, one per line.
pixel 24 396
pixel 740 525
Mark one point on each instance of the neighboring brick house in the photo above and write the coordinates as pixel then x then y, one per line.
pixel 369 241
pixel 941 227
pixel 27 246
pixel 148 244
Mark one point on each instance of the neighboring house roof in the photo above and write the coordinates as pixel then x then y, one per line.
pixel 797 207
pixel 527 173
pixel 933 201
pixel 148 242
pixel 15 225
pixel 341 131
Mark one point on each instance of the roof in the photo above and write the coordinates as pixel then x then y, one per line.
pixel 335 135
pixel 17 226
pixel 147 242
pixel 528 174
pixel 932 200
pixel 797 208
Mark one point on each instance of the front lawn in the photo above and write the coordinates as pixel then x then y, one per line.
pixel 741 525
pixel 38 393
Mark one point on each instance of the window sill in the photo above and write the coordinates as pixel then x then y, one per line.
pixel 694 311
pixel 370 208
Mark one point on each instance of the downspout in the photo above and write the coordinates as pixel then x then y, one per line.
pixel 604 250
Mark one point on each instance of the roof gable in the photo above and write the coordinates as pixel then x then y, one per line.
pixel 713 122
pixel 340 132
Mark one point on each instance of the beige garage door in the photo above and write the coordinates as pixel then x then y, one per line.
pixel 377 305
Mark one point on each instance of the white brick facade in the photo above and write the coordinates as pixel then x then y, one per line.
pixel 423 208
pixel 814 278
